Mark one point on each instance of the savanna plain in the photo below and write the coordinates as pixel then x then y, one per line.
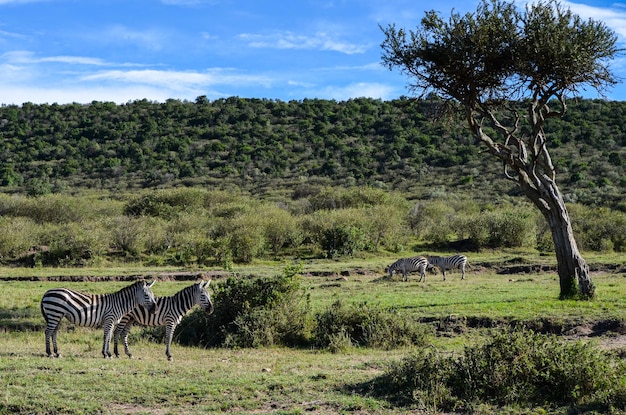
pixel 502 289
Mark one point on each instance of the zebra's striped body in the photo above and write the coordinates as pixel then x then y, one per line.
pixel 89 310
pixel 170 311
pixel 450 262
pixel 408 265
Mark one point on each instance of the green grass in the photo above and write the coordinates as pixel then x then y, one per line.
pixel 198 381
pixel 268 380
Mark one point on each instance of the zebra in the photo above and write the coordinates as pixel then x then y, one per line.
pixel 450 262
pixel 170 312
pixel 407 265
pixel 92 310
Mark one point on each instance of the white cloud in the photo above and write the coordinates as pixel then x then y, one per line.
pixel 614 18
pixel 176 80
pixel 119 95
pixel 26 57
pixel 290 40
pixel 152 39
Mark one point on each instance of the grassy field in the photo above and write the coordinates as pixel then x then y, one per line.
pixel 273 380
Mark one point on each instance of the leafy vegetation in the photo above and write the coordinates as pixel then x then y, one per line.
pixel 374 345
pixel 517 368
pixel 244 185
pixel 196 227
pixel 268 146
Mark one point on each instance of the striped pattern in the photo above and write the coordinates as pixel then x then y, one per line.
pixel 450 262
pixel 408 265
pixel 92 310
pixel 171 311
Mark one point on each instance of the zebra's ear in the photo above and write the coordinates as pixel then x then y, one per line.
pixel 205 284
pixel 151 284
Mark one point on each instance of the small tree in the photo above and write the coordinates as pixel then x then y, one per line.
pixel 481 61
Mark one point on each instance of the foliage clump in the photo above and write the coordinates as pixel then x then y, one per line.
pixel 341 327
pixel 252 312
pixel 520 368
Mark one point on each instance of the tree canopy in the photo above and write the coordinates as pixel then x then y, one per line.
pixel 484 60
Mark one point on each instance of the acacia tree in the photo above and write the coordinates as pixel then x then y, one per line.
pixel 483 61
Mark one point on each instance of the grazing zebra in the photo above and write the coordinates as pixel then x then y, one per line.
pixel 407 265
pixel 450 262
pixel 92 310
pixel 170 312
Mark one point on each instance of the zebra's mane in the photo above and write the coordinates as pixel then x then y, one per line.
pixel 184 292
pixel 127 289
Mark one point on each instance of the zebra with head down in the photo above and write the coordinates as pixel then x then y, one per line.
pixel 91 310
pixel 408 265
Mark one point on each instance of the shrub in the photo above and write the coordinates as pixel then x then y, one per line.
pixel 74 243
pixel 432 221
pixel 367 326
pixel 339 232
pixel 127 234
pixel 252 312
pixel 386 227
pixel 330 198
pixel 17 235
pixel 513 368
pixel 421 379
pixel 56 208
pixel 599 229
pixel 342 240
pixel 503 228
pixel 280 228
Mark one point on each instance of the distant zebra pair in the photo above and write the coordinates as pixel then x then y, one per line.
pixel 133 304
pixel 420 263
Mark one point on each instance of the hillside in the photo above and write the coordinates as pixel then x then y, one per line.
pixel 266 146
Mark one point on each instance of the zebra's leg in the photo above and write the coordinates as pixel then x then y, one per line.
pixel 52 329
pixel 125 333
pixel 443 271
pixel 51 334
pixel 106 344
pixel 462 271
pixel 54 342
pixel 116 336
pixel 169 333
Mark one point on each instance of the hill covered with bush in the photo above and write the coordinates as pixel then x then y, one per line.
pixel 266 146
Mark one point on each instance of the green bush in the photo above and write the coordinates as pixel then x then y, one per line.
pixel 342 240
pixel 252 312
pixel 56 209
pixel 432 221
pixel 599 229
pixel 421 379
pixel 74 243
pixel 330 198
pixel 502 228
pixel 280 229
pixel 367 326
pixel 386 227
pixel 513 368
pixel 340 232
pixel 17 235
pixel 127 234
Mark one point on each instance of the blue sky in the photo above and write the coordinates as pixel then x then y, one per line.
pixel 63 51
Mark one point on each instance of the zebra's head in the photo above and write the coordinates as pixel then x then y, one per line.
pixel 203 297
pixel 145 297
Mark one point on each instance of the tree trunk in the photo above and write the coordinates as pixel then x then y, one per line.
pixel 573 271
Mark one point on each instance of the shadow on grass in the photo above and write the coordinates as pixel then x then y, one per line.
pixel 379 388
